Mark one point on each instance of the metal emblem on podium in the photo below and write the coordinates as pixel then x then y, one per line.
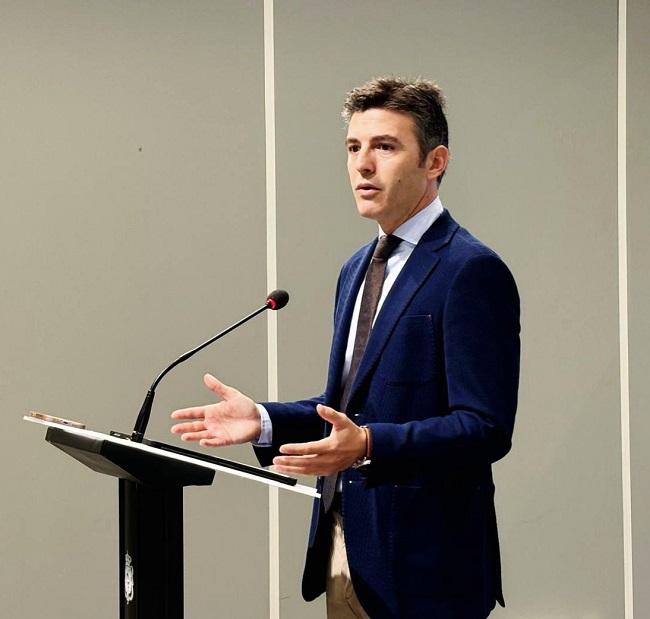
pixel 129 583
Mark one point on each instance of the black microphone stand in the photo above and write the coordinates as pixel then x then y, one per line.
pixel 145 411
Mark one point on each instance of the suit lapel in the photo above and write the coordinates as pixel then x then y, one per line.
pixel 347 298
pixel 417 269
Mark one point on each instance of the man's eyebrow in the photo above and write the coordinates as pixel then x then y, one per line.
pixel 375 138
pixel 384 138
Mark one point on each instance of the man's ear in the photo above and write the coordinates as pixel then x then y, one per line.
pixel 436 161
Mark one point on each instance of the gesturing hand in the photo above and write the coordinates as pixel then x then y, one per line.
pixel 343 447
pixel 232 421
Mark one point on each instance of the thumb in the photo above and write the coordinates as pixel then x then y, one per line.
pixel 331 416
pixel 221 389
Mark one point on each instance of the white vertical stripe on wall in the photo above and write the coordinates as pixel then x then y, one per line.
pixel 271 280
pixel 623 310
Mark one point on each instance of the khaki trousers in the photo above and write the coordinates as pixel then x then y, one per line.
pixel 342 601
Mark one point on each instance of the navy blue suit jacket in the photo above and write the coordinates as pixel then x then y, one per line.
pixel 438 389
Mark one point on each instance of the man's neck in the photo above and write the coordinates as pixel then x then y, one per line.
pixel 427 198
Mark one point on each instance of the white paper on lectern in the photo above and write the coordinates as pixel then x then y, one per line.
pixel 299 488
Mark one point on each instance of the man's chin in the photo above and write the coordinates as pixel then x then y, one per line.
pixel 368 210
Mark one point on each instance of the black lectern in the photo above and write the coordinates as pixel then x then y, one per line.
pixel 151 481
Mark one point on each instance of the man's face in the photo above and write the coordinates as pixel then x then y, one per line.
pixel 389 182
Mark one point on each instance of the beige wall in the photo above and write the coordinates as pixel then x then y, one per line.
pixel 133 225
pixel 133 191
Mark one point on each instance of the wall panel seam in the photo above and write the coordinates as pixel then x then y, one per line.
pixel 271 280
pixel 628 573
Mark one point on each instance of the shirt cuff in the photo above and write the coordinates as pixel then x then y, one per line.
pixel 266 435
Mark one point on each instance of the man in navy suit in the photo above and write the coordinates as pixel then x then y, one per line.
pixel 407 526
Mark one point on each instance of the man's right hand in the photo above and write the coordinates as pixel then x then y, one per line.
pixel 232 421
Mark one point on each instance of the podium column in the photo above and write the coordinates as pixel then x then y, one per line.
pixel 151 551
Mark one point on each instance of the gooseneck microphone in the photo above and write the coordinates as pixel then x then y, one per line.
pixel 274 301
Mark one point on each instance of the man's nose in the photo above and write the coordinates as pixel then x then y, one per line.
pixel 365 163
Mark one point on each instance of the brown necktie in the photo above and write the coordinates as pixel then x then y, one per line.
pixel 370 299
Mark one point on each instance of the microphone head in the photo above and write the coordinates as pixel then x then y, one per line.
pixel 277 299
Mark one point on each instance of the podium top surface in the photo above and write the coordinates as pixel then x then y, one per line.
pixel 181 457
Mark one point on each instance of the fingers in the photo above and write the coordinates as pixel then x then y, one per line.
pixel 214 442
pixel 221 389
pixel 196 412
pixel 331 416
pixel 291 470
pixel 300 465
pixel 303 449
pixel 293 460
pixel 196 436
pixel 304 465
pixel 182 428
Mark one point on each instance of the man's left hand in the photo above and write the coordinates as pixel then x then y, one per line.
pixel 343 447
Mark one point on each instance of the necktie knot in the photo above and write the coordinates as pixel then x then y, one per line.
pixel 385 247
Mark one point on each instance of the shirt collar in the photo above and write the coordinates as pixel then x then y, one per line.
pixel 414 228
